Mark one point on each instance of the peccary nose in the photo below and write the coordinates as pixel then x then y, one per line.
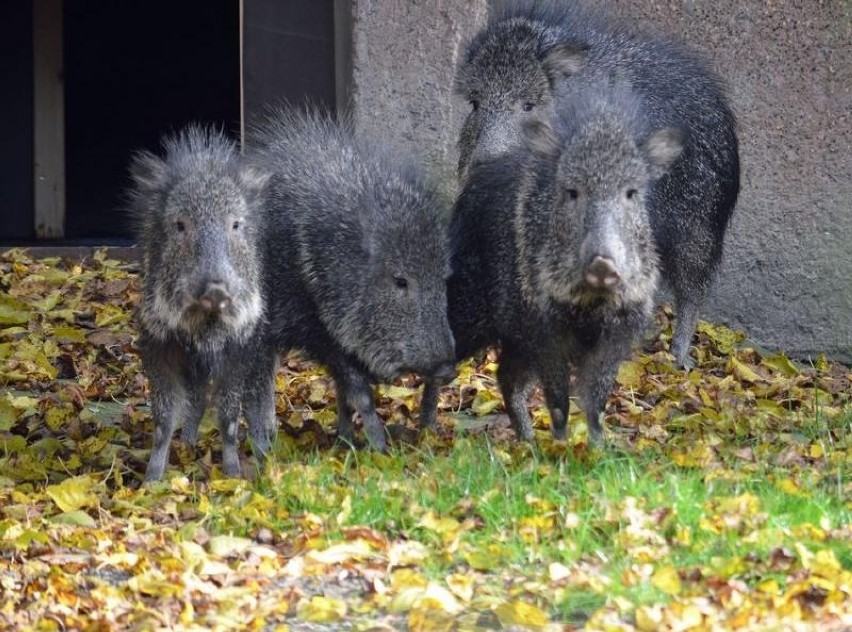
pixel 214 299
pixel 601 274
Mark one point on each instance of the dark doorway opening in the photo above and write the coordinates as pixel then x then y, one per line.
pixel 16 112
pixel 134 71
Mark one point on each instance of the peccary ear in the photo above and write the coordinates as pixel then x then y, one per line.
pixel 540 138
pixel 254 177
pixel 565 60
pixel 662 148
pixel 148 171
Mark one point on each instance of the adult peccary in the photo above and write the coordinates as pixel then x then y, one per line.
pixel 202 301
pixel 555 259
pixel 356 258
pixel 528 49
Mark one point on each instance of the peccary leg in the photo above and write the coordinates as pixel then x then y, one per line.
pixel 197 404
pixel 555 380
pixel 345 429
pixel 355 396
pixel 596 373
pixel 259 406
pixel 168 401
pixel 229 411
pixel 429 403
pixel 687 320
pixel 514 378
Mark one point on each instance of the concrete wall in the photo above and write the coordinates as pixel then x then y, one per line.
pixel 404 53
pixel 787 273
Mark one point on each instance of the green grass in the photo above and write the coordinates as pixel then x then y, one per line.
pixel 500 486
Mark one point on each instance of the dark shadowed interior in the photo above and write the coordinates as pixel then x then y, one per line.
pixel 133 71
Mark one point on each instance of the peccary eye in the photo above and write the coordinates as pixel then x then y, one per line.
pixel 631 193
pixel 401 282
pixel 572 194
pixel 181 227
pixel 528 106
pixel 235 225
pixel 474 104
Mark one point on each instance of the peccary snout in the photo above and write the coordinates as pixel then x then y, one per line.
pixel 215 298
pixel 602 274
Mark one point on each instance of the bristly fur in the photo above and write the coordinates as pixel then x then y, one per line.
pixel 356 256
pixel 196 210
pixel 513 67
pixel 520 265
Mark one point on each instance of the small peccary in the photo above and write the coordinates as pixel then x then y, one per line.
pixel 555 259
pixel 202 302
pixel 356 258
pixel 530 49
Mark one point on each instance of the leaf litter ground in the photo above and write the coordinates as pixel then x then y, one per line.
pixel 721 502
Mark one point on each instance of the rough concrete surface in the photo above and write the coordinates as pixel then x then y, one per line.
pixel 404 55
pixel 786 277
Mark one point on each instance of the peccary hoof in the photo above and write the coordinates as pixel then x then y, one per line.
pixel 560 434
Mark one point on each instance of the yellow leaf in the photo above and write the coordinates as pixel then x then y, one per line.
pixel 320 609
pixel 345 510
pixel 700 455
pixel 77 518
pixel 407 553
pixel 461 586
pixel 742 371
pixel 396 392
pixel 439 598
pixel 68 334
pixel 427 619
pixel 405 599
pixel 826 564
pixel 55 417
pixel 780 363
pixel 682 616
pixel 816 451
pixel 723 338
pixel 73 493
pixel 667 580
pixel 318 392
pixel 769 587
pixel 228 545
pixel 790 486
pixel 22 402
pixel 448 528
pixel 8 416
pixel 485 402
pixel 649 618
pixel 406 578
pixel 770 406
pixel 13 311
pixel 630 374
pixel 485 558
pixel 522 614
pixel 359 549
pixel 108 315
pixel 48 302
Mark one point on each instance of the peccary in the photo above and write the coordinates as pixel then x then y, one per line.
pixel 202 301
pixel 356 258
pixel 529 49
pixel 555 259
